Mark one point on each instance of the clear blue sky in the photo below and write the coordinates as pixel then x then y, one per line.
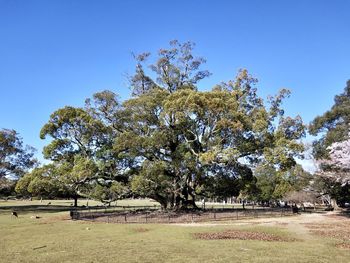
pixel 57 53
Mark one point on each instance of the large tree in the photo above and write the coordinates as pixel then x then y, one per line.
pixel 82 146
pixel 183 138
pixel 331 151
pixel 171 141
pixel 77 137
pixel 15 158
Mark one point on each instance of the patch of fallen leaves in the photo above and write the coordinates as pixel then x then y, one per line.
pixel 337 234
pixel 343 245
pixel 316 226
pixel 54 219
pixel 141 230
pixel 336 216
pixel 337 229
pixel 241 235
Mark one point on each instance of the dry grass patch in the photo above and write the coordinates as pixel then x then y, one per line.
pixel 241 235
pixel 281 223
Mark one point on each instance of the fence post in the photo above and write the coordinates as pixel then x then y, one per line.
pixel 214 215
pixel 125 217
pixel 146 217
pixel 237 214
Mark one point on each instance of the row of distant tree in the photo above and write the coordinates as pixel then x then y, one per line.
pixel 176 144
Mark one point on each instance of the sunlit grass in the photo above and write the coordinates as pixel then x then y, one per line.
pixel 55 238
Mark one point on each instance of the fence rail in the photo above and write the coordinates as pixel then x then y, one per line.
pixel 149 216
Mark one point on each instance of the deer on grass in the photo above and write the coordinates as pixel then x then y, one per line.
pixel 14 214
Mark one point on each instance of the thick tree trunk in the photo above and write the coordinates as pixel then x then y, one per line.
pixel 178 201
pixel 334 204
pixel 162 200
pixel 172 201
pixel 193 203
pixel 75 201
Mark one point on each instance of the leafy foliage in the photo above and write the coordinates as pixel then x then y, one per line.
pixel 171 142
pixel 7 186
pixel 332 150
pixel 189 142
pixel 15 158
pixel 333 124
pixel 274 185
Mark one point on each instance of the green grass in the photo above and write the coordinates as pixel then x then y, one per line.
pixel 54 238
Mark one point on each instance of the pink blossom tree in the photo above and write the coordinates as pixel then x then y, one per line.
pixel 337 167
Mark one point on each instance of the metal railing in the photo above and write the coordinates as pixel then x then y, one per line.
pixel 149 216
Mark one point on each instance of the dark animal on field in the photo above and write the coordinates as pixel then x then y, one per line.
pixel 14 214
pixel 49 203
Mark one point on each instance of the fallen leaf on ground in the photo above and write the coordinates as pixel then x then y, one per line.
pixel 241 235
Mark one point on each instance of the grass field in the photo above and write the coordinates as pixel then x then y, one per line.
pixel 55 238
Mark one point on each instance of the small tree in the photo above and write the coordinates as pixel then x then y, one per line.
pixel 274 185
pixel 337 166
pixel 42 182
pixel 109 193
pixel 335 172
pixel 301 197
pixel 7 187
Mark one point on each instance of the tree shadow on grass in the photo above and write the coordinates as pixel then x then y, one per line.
pixel 39 208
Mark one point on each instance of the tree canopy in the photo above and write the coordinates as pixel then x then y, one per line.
pixel 170 141
pixel 332 150
pixel 333 125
